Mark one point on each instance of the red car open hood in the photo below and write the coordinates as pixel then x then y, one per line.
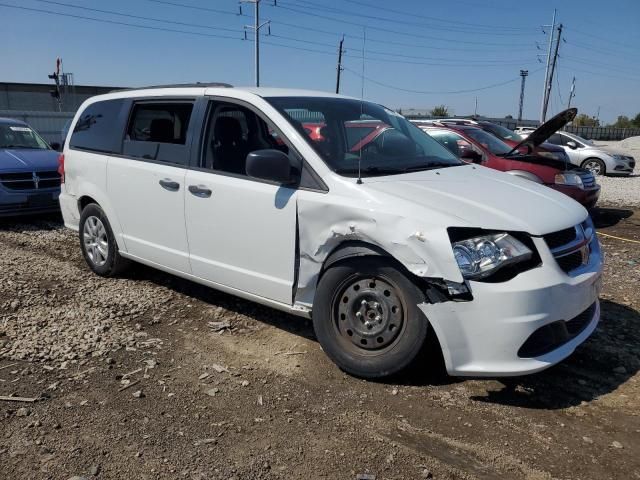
pixel 544 131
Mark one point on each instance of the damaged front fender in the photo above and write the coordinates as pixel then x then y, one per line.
pixel 328 222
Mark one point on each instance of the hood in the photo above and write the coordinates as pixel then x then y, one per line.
pixel 548 128
pixel 480 197
pixel 22 159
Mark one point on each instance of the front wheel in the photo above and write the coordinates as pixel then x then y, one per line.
pixel 366 317
pixel 595 166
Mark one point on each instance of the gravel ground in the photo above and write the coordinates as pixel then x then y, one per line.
pixel 621 191
pixel 153 377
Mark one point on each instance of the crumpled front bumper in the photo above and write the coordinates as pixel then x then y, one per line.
pixel 482 337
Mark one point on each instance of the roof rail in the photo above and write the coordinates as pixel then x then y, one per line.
pixel 180 85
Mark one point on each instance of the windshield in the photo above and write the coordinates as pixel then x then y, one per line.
pixel 488 141
pixel 350 132
pixel 584 141
pixel 20 136
pixel 502 132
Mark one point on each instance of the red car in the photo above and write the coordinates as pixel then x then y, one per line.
pixel 473 144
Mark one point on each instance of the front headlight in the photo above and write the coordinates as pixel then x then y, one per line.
pixel 619 157
pixel 479 257
pixel 571 179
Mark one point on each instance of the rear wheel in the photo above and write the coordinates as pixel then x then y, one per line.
pixel 595 166
pixel 98 243
pixel 366 317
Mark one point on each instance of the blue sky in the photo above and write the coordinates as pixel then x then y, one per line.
pixel 431 47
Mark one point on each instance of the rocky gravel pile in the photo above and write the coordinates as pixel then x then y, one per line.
pixel 43 320
pixel 620 191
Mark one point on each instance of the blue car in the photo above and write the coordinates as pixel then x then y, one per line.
pixel 29 178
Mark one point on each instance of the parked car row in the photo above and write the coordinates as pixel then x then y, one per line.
pixel 532 159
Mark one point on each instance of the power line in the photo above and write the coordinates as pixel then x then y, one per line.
pixel 608 66
pixel 173 22
pixel 417 15
pixel 473 62
pixel 396 32
pixel 340 11
pixel 602 39
pixel 138 17
pixel 115 22
pixel 600 74
pixel 450 92
pixel 338 34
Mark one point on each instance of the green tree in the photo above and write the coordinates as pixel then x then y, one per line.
pixel 636 121
pixel 440 111
pixel 584 120
pixel 623 122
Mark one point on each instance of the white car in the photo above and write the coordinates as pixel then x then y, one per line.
pixel 597 160
pixel 378 233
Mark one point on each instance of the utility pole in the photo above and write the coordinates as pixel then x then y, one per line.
pixel 572 93
pixel 256 32
pixel 546 70
pixel 553 67
pixel 475 110
pixel 339 64
pixel 523 74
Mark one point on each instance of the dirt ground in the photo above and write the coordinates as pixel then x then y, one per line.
pixel 134 383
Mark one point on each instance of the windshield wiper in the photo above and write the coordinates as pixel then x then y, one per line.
pixel 374 170
pixel 20 146
pixel 431 166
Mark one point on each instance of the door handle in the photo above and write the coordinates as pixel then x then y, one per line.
pixel 200 191
pixel 169 184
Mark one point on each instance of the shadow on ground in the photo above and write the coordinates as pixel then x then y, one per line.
pixel 608 217
pixel 598 367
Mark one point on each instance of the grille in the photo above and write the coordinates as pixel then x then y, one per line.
pixel 570 247
pixel 30 180
pixel 588 180
pixel 560 238
pixel 571 261
pixel 555 334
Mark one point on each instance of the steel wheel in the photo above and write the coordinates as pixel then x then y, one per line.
pixel 595 166
pixel 369 313
pixel 96 242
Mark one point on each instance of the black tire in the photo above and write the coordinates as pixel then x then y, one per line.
pixel 385 351
pixel 109 264
pixel 596 162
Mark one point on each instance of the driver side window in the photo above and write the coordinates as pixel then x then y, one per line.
pixel 233 132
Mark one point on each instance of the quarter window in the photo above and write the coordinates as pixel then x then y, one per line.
pixel 158 131
pixel 97 128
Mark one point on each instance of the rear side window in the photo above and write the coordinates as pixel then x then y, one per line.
pixel 97 128
pixel 158 131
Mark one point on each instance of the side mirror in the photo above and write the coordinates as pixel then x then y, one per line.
pixel 572 145
pixel 56 146
pixel 272 165
pixel 470 155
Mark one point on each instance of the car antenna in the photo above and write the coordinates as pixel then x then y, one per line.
pixel 364 42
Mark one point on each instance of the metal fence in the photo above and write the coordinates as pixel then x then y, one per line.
pixel 50 125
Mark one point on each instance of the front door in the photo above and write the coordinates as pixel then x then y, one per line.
pixel 147 183
pixel 241 231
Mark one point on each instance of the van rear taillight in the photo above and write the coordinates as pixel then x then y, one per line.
pixel 61 167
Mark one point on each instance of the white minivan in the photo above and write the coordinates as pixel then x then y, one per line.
pixel 336 209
